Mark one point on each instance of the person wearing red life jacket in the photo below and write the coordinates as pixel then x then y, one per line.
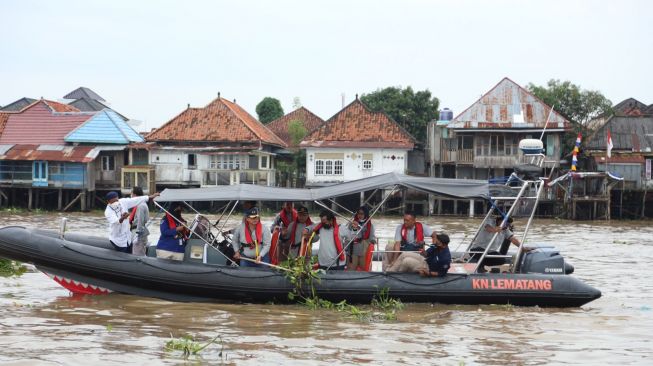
pixel 360 234
pixel 174 233
pixel 296 228
pixel 282 221
pixel 330 254
pixel 252 240
pixel 409 237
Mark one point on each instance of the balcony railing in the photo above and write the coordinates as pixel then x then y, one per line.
pixel 457 156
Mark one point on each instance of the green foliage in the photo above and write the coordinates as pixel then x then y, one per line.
pixel 412 110
pixel 301 275
pixel 297 131
pixel 577 105
pixel 188 346
pixel 388 305
pixel 10 268
pixel 269 109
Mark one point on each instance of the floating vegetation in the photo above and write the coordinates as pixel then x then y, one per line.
pixel 189 346
pixel 302 275
pixel 10 268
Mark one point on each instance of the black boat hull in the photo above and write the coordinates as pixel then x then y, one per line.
pixel 92 264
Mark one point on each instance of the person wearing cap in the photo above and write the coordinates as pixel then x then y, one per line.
pixel 438 257
pixel 295 228
pixel 117 214
pixel 251 240
pixel 174 234
pixel 330 255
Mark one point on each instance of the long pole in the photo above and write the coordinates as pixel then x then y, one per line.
pixel 547 122
pixel 265 264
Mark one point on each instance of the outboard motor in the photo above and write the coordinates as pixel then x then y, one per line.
pixel 530 158
pixel 545 259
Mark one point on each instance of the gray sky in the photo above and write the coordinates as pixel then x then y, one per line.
pixel 150 58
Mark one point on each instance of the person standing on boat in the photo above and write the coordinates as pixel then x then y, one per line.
pixel 282 222
pixel 409 237
pixel 296 228
pixel 360 234
pixel 138 219
pixel 251 241
pixel 174 234
pixel 438 257
pixel 117 214
pixel 504 235
pixel 331 254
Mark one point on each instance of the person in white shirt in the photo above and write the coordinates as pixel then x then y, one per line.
pixel 117 214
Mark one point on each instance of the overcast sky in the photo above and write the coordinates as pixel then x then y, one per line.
pixel 150 58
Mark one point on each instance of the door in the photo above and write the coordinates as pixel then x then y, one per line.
pixel 40 173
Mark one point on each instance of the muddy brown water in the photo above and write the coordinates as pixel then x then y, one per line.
pixel 42 324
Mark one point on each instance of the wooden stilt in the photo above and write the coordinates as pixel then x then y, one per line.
pixel 60 199
pixel 29 199
pixel 82 201
pixel 69 205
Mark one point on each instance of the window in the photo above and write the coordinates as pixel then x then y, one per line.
pixel 192 161
pixel 497 146
pixel 228 162
pixel 108 163
pixel 367 164
pixel 337 167
pixel 319 167
pixel 466 142
pixel 328 167
pixel 264 162
pixel 510 147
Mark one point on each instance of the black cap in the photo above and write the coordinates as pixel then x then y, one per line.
pixel 252 212
pixel 302 209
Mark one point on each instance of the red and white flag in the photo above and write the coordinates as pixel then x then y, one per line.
pixel 609 144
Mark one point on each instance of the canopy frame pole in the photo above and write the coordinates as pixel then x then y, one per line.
pixel 329 209
pixel 503 222
pixel 193 232
pixel 528 225
pixel 226 207
pixel 332 200
pixel 344 249
pixel 228 216
pixel 370 197
pixel 481 227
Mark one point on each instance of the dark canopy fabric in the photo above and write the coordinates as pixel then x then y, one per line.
pixel 456 188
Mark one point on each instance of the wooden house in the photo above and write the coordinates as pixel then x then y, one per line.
pixel 482 141
pixel 49 147
pixel 219 144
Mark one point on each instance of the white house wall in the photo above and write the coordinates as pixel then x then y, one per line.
pixel 382 163
pixel 172 167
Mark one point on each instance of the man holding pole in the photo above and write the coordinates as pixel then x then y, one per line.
pixel 251 240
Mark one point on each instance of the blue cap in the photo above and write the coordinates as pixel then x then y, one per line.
pixel 111 195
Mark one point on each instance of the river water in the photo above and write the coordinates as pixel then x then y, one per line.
pixel 42 324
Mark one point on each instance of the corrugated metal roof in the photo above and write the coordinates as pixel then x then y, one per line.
pixel 628 133
pixel 39 124
pixel 508 105
pixel 105 127
pixel 74 154
pixel 220 121
pixel 358 126
pixel 83 92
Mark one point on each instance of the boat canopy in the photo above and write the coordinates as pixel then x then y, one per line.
pixel 455 188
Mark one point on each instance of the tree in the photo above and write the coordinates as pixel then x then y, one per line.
pixel 269 109
pixel 412 110
pixel 297 131
pixel 577 105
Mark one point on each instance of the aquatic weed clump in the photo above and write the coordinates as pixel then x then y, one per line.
pixel 10 268
pixel 189 346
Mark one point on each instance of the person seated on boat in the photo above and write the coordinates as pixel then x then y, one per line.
pixel 281 222
pixel 358 235
pixel 480 243
pixel 174 234
pixel 330 255
pixel 251 241
pixel 296 228
pixel 117 214
pixel 409 237
pixel 438 257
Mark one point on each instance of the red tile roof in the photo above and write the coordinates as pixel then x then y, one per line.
pixel 39 124
pixel 60 107
pixel 4 117
pixel 358 126
pixel 307 118
pixel 219 121
pixel 77 154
